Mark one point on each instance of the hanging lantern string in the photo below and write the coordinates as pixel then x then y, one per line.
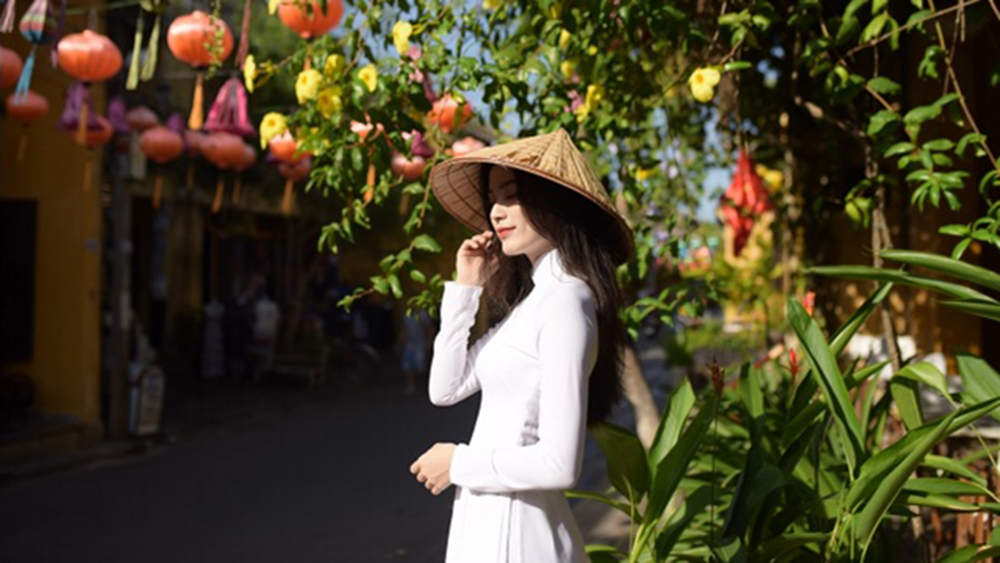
pixel 105 8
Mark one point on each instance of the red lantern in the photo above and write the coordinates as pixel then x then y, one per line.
pixel 88 57
pixel 193 140
pixel 310 21
pixel 447 114
pixel 247 160
pixel 10 67
pixel 95 137
pixel 284 148
pixel 161 145
pixel 141 118
pixel 744 200
pixel 294 172
pixel 411 169
pixel 26 108
pixel 224 150
pixel 187 39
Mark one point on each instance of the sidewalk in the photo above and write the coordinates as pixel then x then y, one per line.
pixel 191 405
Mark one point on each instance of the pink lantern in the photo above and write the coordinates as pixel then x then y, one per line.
pixel 229 112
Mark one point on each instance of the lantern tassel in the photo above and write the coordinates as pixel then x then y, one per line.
pixel 60 28
pixel 22 146
pixel 220 188
pixel 157 191
pixel 286 201
pixel 244 49
pixel 81 125
pixel 189 181
pixel 24 82
pixel 7 23
pixel 237 190
pixel 133 67
pixel 196 119
pixel 152 52
pixel 88 171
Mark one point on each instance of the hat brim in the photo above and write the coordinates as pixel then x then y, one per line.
pixel 457 184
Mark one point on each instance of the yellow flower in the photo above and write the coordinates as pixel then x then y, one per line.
pixel 567 67
pixel 307 85
pixel 644 174
pixel 272 6
pixel 564 37
pixel 702 83
pixel 401 36
pixel 334 65
pixel 595 94
pixel 492 4
pixel 249 72
pixel 329 102
pixel 592 50
pixel 369 76
pixel 271 126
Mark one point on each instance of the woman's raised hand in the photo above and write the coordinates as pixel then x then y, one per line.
pixel 470 261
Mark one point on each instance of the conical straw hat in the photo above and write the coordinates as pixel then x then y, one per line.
pixel 553 156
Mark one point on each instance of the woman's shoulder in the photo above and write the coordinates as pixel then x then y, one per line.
pixel 569 292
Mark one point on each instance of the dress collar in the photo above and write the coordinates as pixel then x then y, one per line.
pixel 549 268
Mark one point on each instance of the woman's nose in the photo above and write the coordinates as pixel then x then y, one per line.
pixel 497 212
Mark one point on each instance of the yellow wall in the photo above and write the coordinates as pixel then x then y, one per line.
pixel 66 364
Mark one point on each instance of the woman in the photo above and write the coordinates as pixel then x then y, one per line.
pixel 545 256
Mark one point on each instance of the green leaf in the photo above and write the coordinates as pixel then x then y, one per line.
pixel 942 486
pixel 867 520
pixel 427 243
pixel 962 270
pixel 881 120
pixel 674 466
pixel 928 374
pixel 938 145
pixel 736 65
pixel 982 309
pixel 875 27
pixel 844 334
pixel 694 505
pixel 902 147
pixel 901 277
pixel 418 276
pixel 774 548
pixel 627 469
pixel 942 502
pixel 980 381
pixel 856 379
pixel 598 497
pixel 906 396
pixel 954 467
pixel 671 423
pixel 921 114
pixel 831 380
pixel 966 140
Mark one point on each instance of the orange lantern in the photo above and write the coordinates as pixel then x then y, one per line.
pixel 94 138
pixel 284 148
pixel 141 118
pixel 188 39
pixel 294 172
pixel 448 114
pixel 26 108
pixel 363 129
pixel 248 158
pixel 10 67
pixel 88 57
pixel 308 19
pixel 161 145
pixel 224 150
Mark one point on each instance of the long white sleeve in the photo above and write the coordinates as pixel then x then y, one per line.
pixel 452 377
pixel 567 353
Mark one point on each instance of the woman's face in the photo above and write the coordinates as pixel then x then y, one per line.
pixel 517 235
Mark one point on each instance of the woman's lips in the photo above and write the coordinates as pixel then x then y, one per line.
pixel 504 231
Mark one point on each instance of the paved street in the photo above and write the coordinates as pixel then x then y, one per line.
pixel 326 482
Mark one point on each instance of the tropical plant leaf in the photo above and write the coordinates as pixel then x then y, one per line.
pixel 943 486
pixel 906 396
pixel 980 308
pixel 775 547
pixel 962 270
pixel 980 382
pixel 868 518
pixel 831 381
pixel 598 497
pixel 954 467
pixel 941 502
pixel 626 458
pixel 674 466
pixel 928 374
pixel 693 505
pixel 864 373
pixel 671 423
pixel 898 276
pixel 844 334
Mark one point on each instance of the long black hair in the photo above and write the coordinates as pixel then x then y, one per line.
pixel 582 233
